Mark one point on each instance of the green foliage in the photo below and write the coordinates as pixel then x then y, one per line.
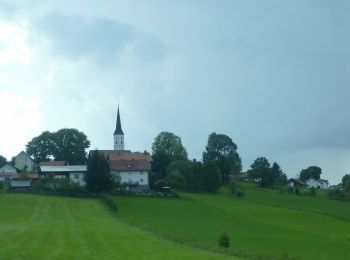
pixel 167 147
pixel 281 181
pixel 311 172
pixel 312 192
pixel 268 176
pixel 3 161
pixel 236 189
pixel 2 186
pixel 98 178
pixel 336 194
pixel 67 144
pixel 108 201
pixel 297 191
pixel 224 240
pixel 211 177
pixel 346 183
pixel 176 180
pixel 222 151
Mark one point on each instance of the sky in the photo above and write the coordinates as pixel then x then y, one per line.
pixel 273 75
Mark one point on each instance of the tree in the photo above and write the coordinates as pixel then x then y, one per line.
pixel 98 178
pixel 311 172
pixel 70 145
pixel 167 147
pixel 222 151
pixel 346 183
pixel 211 177
pixel 176 180
pixel 42 147
pixel 3 161
pixel 259 167
pixel 64 145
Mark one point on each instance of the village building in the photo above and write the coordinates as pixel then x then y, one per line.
pixel 130 168
pixel 24 162
pixel 55 169
pixel 317 184
pixel 8 169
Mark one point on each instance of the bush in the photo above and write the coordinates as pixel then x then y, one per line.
pixel 312 192
pixel 297 191
pixel 290 190
pixel 224 240
pixel 336 194
pixel 236 190
pixel 108 201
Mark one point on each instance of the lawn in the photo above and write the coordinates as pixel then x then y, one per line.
pixel 255 228
pixel 47 227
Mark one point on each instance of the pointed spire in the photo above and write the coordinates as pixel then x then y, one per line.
pixel 118 128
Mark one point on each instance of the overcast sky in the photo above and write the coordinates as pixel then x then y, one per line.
pixel 273 75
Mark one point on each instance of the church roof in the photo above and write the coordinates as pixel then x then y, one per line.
pixel 118 127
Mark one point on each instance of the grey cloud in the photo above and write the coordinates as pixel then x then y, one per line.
pixel 100 38
pixel 7 9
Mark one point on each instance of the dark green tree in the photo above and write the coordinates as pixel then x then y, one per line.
pixel 176 180
pixel 211 177
pixel 311 172
pixel 3 161
pixel 64 145
pixel 41 148
pixel 260 169
pixel 195 180
pixel 98 178
pixel 70 146
pixel 167 147
pixel 346 183
pixel 222 151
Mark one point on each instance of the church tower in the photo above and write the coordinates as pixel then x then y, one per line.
pixel 118 135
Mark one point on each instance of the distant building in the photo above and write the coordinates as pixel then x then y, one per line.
pixel 8 168
pixel 24 162
pixel 75 173
pixel 295 183
pixel 318 184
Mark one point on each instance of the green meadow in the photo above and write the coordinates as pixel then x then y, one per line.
pixel 47 227
pixel 263 224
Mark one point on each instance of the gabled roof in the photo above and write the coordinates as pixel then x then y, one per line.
pixel 118 127
pixel 53 163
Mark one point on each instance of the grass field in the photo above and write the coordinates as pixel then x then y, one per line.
pixel 265 223
pixel 47 227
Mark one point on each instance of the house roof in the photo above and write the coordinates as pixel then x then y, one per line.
pixel 65 168
pixel 130 165
pixel 125 155
pixel 53 163
pixel 118 127
pixel 8 165
pixel 26 176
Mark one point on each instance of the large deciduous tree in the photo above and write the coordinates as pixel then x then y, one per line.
pixel 311 172
pixel 67 144
pixel 42 147
pixel 98 178
pixel 167 147
pixel 222 151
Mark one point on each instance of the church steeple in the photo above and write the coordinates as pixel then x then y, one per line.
pixel 118 134
pixel 118 127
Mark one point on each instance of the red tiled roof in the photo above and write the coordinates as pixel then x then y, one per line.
pixel 53 163
pixel 26 176
pixel 134 165
pixel 125 155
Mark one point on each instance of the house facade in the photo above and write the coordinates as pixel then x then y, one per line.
pixel 7 168
pixel 317 184
pixel 24 162
pixel 75 173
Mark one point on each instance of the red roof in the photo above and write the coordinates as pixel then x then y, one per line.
pixel 26 176
pixel 127 160
pixel 53 163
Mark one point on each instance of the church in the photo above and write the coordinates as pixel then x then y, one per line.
pixel 131 168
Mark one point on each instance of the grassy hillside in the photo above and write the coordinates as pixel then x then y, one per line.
pixel 43 227
pixel 255 228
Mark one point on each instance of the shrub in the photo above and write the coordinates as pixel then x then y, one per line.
pixel 312 192
pixel 290 190
pixel 236 190
pixel 108 201
pixel 336 194
pixel 224 240
pixel 297 191
pixel 1 185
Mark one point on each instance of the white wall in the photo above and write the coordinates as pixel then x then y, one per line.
pixel 118 142
pixel 312 183
pixel 133 177
pixel 7 169
pixel 23 160
pixel 77 177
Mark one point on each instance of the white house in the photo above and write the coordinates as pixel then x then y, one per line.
pixel 131 168
pixel 24 162
pixel 75 173
pixel 318 184
pixel 7 168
